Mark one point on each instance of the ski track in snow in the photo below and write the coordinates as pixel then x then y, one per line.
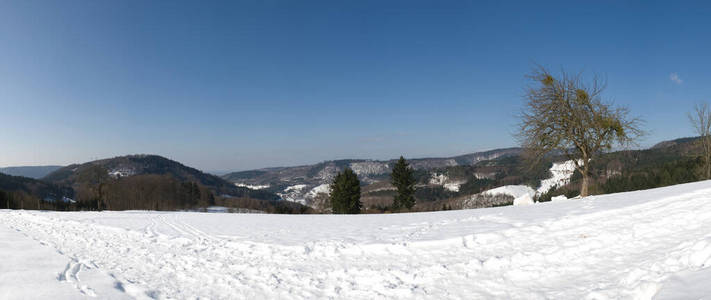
pixel 607 247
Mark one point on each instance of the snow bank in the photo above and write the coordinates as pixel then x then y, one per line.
pixel 515 191
pixel 559 198
pixel 637 245
pixel 523 194
pixel 526 199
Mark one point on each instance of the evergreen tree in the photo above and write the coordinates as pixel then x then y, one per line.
pixel 404 180
pixel 345 193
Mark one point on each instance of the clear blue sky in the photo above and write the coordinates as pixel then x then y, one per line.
pixel 237 85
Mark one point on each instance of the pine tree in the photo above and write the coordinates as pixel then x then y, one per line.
pixel 345 193
pixel 404 180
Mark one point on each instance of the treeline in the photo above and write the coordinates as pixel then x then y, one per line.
pixel 17 192
pixel 626 171
pixel 162 192
pixel 271 207
pixel 23 200
pixel 98 191
pixel 684 170
pixel 144 192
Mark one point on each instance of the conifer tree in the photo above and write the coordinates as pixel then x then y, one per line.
pixel 404 180
pixel 345 193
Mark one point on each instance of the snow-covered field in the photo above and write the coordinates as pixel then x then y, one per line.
pixel 639 245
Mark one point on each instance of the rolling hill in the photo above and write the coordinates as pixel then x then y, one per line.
pixel 35 172
pixel 142 165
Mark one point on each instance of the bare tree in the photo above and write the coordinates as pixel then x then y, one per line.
pixel 321 203
pixel 96 176
pixel 564 115
pixel 701 120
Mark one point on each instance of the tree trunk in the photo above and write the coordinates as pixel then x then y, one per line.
pixel 98 200
pixel 586 183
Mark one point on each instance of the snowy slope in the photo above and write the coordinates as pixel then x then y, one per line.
pixel 623 246
pixel 254 187
pixel 31 270
pixel 561 172
pixel 515 191
pixel 523 195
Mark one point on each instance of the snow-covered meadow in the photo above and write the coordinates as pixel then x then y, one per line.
pixel 638 245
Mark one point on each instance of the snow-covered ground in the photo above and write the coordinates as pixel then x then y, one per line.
pixel 639 245
pixel 253 187
pixel 522 194
pixel 515 191
pixel 293 194
pixel 444 181
pixel 321 189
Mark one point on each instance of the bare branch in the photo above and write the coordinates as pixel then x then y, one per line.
pixel 701 120
pixel 563 114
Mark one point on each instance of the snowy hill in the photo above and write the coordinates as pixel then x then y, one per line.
pixel 560 172
pixel 653 244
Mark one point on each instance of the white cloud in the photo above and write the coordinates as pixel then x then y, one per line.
pixel 675 78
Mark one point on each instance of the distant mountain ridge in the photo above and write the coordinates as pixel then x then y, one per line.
pixel 447 180
pixel 303 183
pixel 675 142
pixel 366 169
pixel 35 172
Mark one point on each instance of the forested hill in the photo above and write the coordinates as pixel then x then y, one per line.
pixel 124 167
pixel 17 192
pixel 304 183
pixel 134 182
pixel 666 163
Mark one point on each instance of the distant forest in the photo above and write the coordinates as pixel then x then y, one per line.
pixel 166 185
